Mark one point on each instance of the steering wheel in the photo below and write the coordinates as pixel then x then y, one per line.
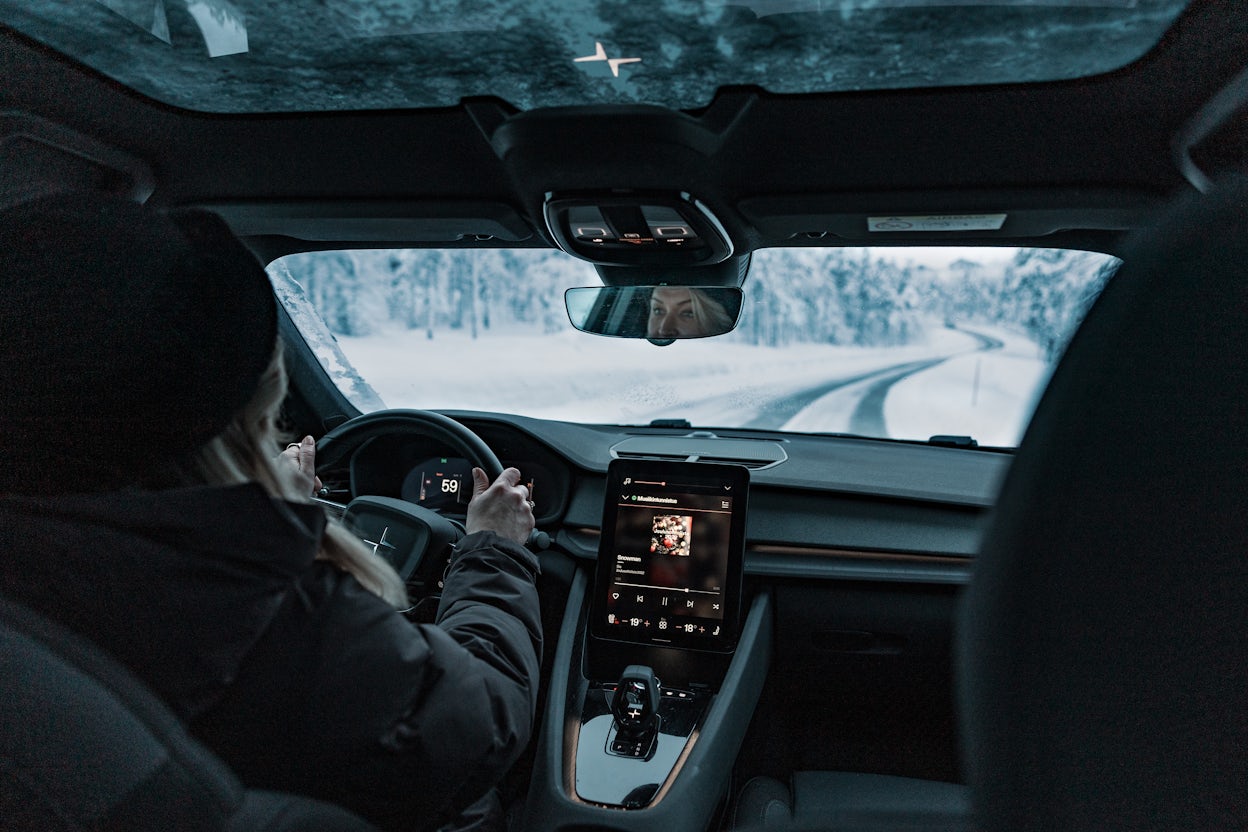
pixel 415 540
pixel 348 436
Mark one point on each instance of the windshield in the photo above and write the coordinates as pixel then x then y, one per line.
pixel 904 343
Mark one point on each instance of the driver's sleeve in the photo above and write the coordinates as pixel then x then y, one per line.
pixel 405 724
pixel 490 608
pixel 474 713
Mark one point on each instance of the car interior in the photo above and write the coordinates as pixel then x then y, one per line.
pixel 763 622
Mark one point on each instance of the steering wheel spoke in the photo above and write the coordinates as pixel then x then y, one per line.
pixel 404 535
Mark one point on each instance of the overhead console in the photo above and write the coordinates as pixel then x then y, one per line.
pixel 628 229
pixel 633 185
pixel 660 662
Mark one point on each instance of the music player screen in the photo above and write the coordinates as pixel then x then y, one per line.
pixel 670 557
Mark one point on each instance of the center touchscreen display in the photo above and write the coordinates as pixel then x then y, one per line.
pixel 669 561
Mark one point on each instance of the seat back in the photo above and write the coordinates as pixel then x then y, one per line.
pixel 1103 645
pixel 86 746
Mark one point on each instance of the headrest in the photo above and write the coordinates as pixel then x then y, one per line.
pixel 1101 652
pixel 131 336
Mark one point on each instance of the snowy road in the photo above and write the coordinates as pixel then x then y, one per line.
pixel 955 381
pixel 778 413
pixel 868 416
pixel 861 396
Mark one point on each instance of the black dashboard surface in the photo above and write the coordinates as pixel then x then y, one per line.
pixel 851 465
pixel 821 506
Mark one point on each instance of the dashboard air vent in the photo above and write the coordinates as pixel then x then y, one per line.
pixel 754 454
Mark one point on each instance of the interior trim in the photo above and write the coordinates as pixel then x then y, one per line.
pixel 820 563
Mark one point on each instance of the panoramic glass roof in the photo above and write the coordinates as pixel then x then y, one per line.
pixel 297 55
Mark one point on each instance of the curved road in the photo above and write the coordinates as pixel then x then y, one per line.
pixel 868 415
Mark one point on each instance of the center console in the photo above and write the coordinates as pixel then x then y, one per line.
pixel 660 660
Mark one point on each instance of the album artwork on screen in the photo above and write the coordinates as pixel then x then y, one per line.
pixel 670 556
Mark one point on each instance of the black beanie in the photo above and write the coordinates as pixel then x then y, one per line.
pixel 128 338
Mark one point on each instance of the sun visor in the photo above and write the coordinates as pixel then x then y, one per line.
pixel 390 222
pixel 40 158
pixel 1216 138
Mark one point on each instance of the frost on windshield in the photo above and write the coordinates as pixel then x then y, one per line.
pixel 300 55
pixel 904 343
pixel 319 338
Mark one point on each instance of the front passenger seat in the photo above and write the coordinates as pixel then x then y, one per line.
pixel 85 746
pixel 1103 643
pixel 1104 639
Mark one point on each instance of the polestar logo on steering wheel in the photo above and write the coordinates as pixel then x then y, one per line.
pixel 382 544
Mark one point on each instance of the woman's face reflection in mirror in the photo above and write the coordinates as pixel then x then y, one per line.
pixel 680 312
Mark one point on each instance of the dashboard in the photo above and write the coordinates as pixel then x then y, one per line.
pixel 853 556
pixel 424 472
pixel 821 507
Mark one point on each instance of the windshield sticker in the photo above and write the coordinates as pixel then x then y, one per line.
pixel 938 222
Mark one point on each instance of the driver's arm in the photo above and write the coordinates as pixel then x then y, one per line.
pixel 479 710
pixel 418 721
pixel 346 700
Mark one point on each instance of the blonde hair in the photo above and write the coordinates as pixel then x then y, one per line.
pixel 709 313
pixel 247 451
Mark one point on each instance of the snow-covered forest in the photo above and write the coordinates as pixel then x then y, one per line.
pixel 840 296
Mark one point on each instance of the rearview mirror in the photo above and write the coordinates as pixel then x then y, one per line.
pixel 660 314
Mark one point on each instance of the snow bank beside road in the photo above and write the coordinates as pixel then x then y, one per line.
pixel 987 395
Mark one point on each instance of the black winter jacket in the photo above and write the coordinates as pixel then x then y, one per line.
pixel 285 666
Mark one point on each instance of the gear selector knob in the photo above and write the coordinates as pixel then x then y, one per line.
pixel 635 705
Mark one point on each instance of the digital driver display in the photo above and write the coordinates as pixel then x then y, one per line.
pixel 434 484
pixel 445 484
pixel 669 563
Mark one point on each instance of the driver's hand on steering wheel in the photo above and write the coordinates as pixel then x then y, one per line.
pixel 302 455
pixel 502 507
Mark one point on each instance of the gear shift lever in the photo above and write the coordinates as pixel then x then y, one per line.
pixel 635 707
